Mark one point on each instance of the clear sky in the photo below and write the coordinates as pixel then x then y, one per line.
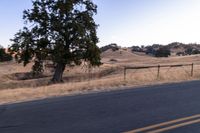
pixel 125 22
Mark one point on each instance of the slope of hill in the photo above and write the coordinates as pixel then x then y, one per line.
pixel 123 56
pixel 175 48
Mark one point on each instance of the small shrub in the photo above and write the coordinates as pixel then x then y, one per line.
pixel 113 60
pixel 4 56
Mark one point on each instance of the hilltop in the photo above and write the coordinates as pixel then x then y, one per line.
pixel 173 49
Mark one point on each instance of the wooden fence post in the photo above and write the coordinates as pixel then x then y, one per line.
pixel 158 74
pixel 192 70
pixel 124 73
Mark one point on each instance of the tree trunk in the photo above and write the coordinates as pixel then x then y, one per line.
pixel 58 74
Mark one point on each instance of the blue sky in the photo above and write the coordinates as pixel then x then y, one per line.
pixel 125 22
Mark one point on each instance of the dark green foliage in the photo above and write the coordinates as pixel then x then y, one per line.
pixel 137 49
pixel 181 48
pixel 180 53
pixel 158 50
pixel 189 51
pixel 150 50
pixel 162 52
pixel 195 51
pixel 63 31
pixel 112 46
pixel 175 45
pixel 192 51
pixel 4 56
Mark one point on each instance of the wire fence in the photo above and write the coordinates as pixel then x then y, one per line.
pixel 158 68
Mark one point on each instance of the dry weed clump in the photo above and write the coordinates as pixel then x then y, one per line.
pixel 24 94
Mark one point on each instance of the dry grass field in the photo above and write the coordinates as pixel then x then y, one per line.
pixel 16 86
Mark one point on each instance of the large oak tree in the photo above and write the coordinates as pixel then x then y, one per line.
pixel 63 31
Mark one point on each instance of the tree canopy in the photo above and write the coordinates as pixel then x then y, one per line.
pixel 163 52
pixel 63 31
pixel 3 55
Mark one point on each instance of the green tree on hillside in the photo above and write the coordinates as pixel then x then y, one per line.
pixel 3 55
pixel 62 30
pixel 163 52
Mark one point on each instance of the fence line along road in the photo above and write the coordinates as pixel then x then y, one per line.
pixel 158 68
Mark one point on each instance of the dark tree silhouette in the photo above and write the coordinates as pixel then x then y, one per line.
pixel 162 52
pixel 112 46
pixel 3 55
pixel 62 30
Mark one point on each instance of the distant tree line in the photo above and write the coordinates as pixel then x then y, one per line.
pixel 112 46
pixel 187 49
pixel 159 50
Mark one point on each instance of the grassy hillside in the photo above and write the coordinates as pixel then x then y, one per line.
pixel 16 85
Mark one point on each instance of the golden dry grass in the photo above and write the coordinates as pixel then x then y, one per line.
pixel 107 77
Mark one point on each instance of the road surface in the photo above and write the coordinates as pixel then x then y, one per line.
pixel 173 108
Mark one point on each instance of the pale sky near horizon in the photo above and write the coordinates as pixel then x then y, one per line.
pixel 125 22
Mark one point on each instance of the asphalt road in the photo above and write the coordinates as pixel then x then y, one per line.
pixel 108 112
